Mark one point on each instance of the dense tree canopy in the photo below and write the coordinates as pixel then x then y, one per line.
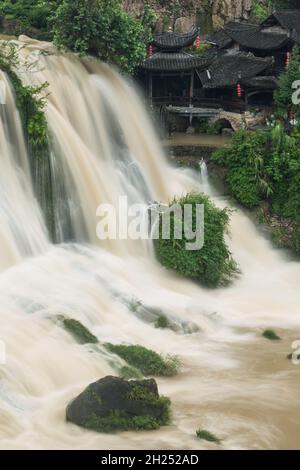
pixel 98 27
pixel 104 29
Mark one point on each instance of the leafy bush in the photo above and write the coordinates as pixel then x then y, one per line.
pixel 29 16
pixel 213 264
pixel 264 166
pixel 102 28
pixel 145 360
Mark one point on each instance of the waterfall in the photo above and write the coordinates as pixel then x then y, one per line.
pixel 205 186
pixel 102 146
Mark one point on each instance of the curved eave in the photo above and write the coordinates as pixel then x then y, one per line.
pixel 174 41
pixel 168 62
pixel 229 70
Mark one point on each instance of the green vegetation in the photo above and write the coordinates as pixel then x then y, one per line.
pixel 148 362
pixel 207 436
pixel 31 103
pixel 102 28
pixel 27 17
pixel 262 170
pixel 121 421
pixel 271 335
pixel 212 265
pixel 118 420
pixel 80 332
pixel 259 11
pixel 28 100
pixel 114 404
pixel 98 27
pixel 162 322
pixel 127 372
pixel 283 95
pixel 203 126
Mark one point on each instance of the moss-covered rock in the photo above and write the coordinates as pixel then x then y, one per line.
pixel 114 404
pixel 148 362
pixel 211 264
pixel 207 436
pixel 271 335
pixel 79 331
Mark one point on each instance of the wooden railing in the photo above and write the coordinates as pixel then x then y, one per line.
pixel 199 102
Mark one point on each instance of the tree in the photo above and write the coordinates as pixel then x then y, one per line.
pixel 102 28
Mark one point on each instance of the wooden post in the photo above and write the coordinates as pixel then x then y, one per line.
pixel 192 88
pixel 150 89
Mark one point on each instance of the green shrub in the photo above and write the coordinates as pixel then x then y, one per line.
pixel 271 335
pixel 128 372
pixel 207 436
pixel 264 167
pixel 162 322
pixel 104 29
pixel 212 265
pixel 80 332
pixel 145 360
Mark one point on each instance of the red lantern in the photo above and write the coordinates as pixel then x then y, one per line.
pixel 288 59
pixel 198 42
pixel 150 52
pixel 239 90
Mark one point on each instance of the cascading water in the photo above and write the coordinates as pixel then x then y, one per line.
pixel 233 381
pixel 204 177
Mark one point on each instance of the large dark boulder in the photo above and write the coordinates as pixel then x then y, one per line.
pixel 113 403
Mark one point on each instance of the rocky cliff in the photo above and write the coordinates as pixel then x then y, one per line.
pixel 208 14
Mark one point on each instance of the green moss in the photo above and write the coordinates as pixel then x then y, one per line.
pixel 80 332
pixel 121 421
pixel 207 436
pixel 128 372
pixel 118 420
pixel 162 322
pixel 271 335
pixel 31 105
pixel 145 360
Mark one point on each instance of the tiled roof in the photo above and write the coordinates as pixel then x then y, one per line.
pixel 220 39
pixel 288 19
pixel 175 41
pixel 261 82
pixel 231 69
pixel 248 36
pixel 173 61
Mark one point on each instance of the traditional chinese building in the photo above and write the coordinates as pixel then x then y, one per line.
pixel 170 70
pixel 238 71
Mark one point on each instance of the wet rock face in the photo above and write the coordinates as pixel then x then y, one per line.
pixel 228 10
pixel 113 403
pixel 186 13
